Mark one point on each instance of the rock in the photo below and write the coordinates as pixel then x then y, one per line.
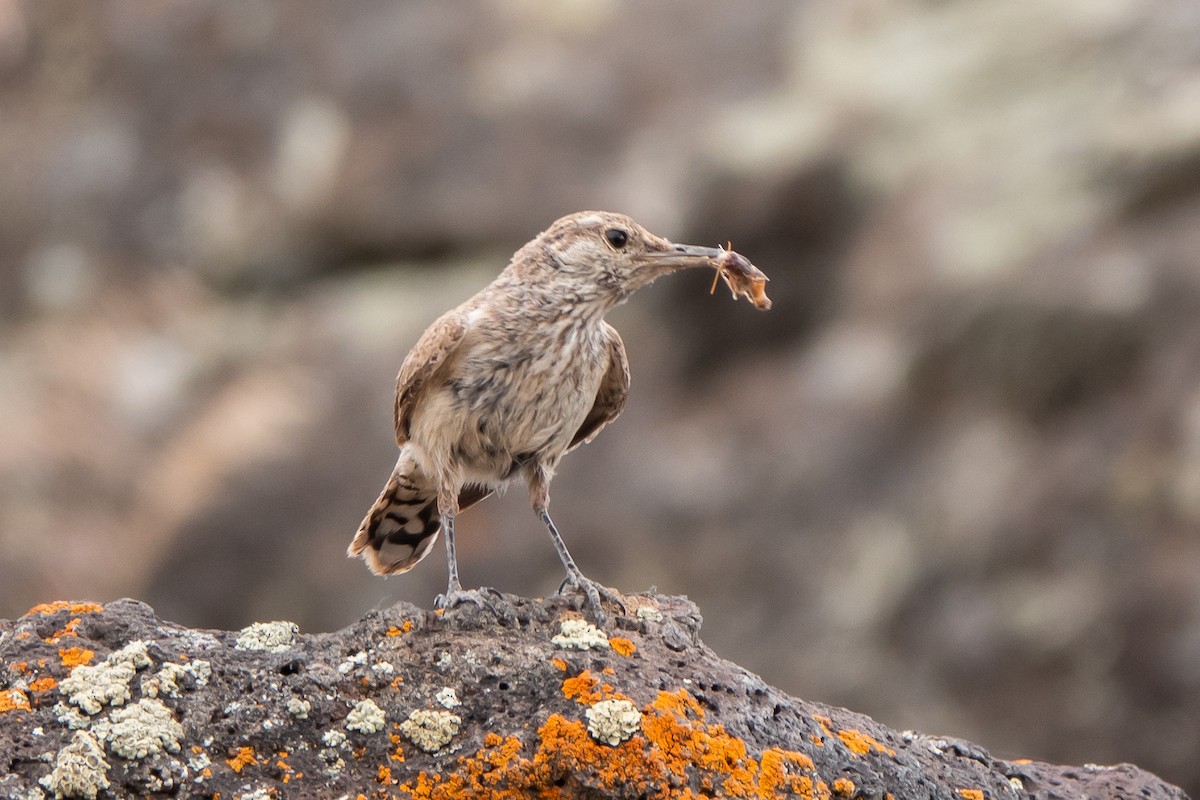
pixel 654 714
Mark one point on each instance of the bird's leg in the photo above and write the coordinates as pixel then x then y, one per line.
pixel 539 491
pixel 454 586
pixel 455 595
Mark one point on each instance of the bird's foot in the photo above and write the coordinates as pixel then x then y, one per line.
pixel 593 593
pixel 484 597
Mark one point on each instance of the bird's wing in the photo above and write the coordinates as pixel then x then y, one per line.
pixel 610 397
pixel 435 347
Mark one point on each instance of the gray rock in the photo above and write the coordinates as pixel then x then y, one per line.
pixel 530 715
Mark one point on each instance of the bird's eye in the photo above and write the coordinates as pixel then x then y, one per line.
pixel 616 237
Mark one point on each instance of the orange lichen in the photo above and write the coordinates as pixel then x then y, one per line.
pixel 19 667
pixel 13 700
pixel 396 681
pixel 245 756
pixel 861 743
pixel 287 770
pixel 971 794
pixel 559 664
pixel 67 630
pixel 63 605
pixel 405 627
pixel 586 689
pixel 384 776
pixel 75 656
pixel 677 750
pixel 43 684
pixel 582 688
pixel 843 787
pixel 622 646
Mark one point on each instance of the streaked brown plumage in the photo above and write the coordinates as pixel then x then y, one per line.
pixel 504 385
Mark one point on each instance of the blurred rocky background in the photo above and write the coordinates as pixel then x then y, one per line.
pixel 952 480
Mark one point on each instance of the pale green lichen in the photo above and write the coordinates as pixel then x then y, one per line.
pixel 143 729
pixel 274 637
pixel 430 730
pixel 166 680
pixel 577 634
pixel 613 721
pixel 366 717
pixel 383 667
pixel 447 698
pixel 298 707
pixel 357 660
pixel 79 769
pixel 107 683
pixel 649 614
pixel 198 763
pixel 333 738
pixel 70 716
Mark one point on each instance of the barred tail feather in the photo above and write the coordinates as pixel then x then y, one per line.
pixel 400 528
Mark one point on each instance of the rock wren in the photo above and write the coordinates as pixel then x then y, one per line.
pixel 503 386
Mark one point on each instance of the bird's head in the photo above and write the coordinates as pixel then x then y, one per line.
pixel 602 257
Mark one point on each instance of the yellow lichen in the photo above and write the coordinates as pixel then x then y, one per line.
pixel 861 743
pixel 843 787
pixel 582 688
pixel 67 630
pixel 971 794
pixel 245 756
pixel 405 627
pixel 622 646
pixel 13 700
pixel 63 605
pixel 675 750
pixel 75 656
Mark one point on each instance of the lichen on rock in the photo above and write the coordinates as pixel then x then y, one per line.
pixel 107 683
pixel 80 769
pixel 578 634
pixel 166 680
pixel 613 721
pixel 274 637
pixel 430 730
pixel 447 698
pixel 366 717
pixel 610 725
pixel 142 729
pixel 298 707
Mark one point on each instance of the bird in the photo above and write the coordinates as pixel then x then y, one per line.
pixel 500 388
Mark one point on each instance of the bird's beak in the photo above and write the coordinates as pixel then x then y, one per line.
pixel 681 256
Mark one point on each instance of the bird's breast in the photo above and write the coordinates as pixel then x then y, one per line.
pixel 513 399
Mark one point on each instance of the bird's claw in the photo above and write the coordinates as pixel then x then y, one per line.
pixel 495 603
pixel 452 598
pixel 592 593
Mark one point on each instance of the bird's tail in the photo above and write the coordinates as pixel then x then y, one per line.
pixel 401 527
